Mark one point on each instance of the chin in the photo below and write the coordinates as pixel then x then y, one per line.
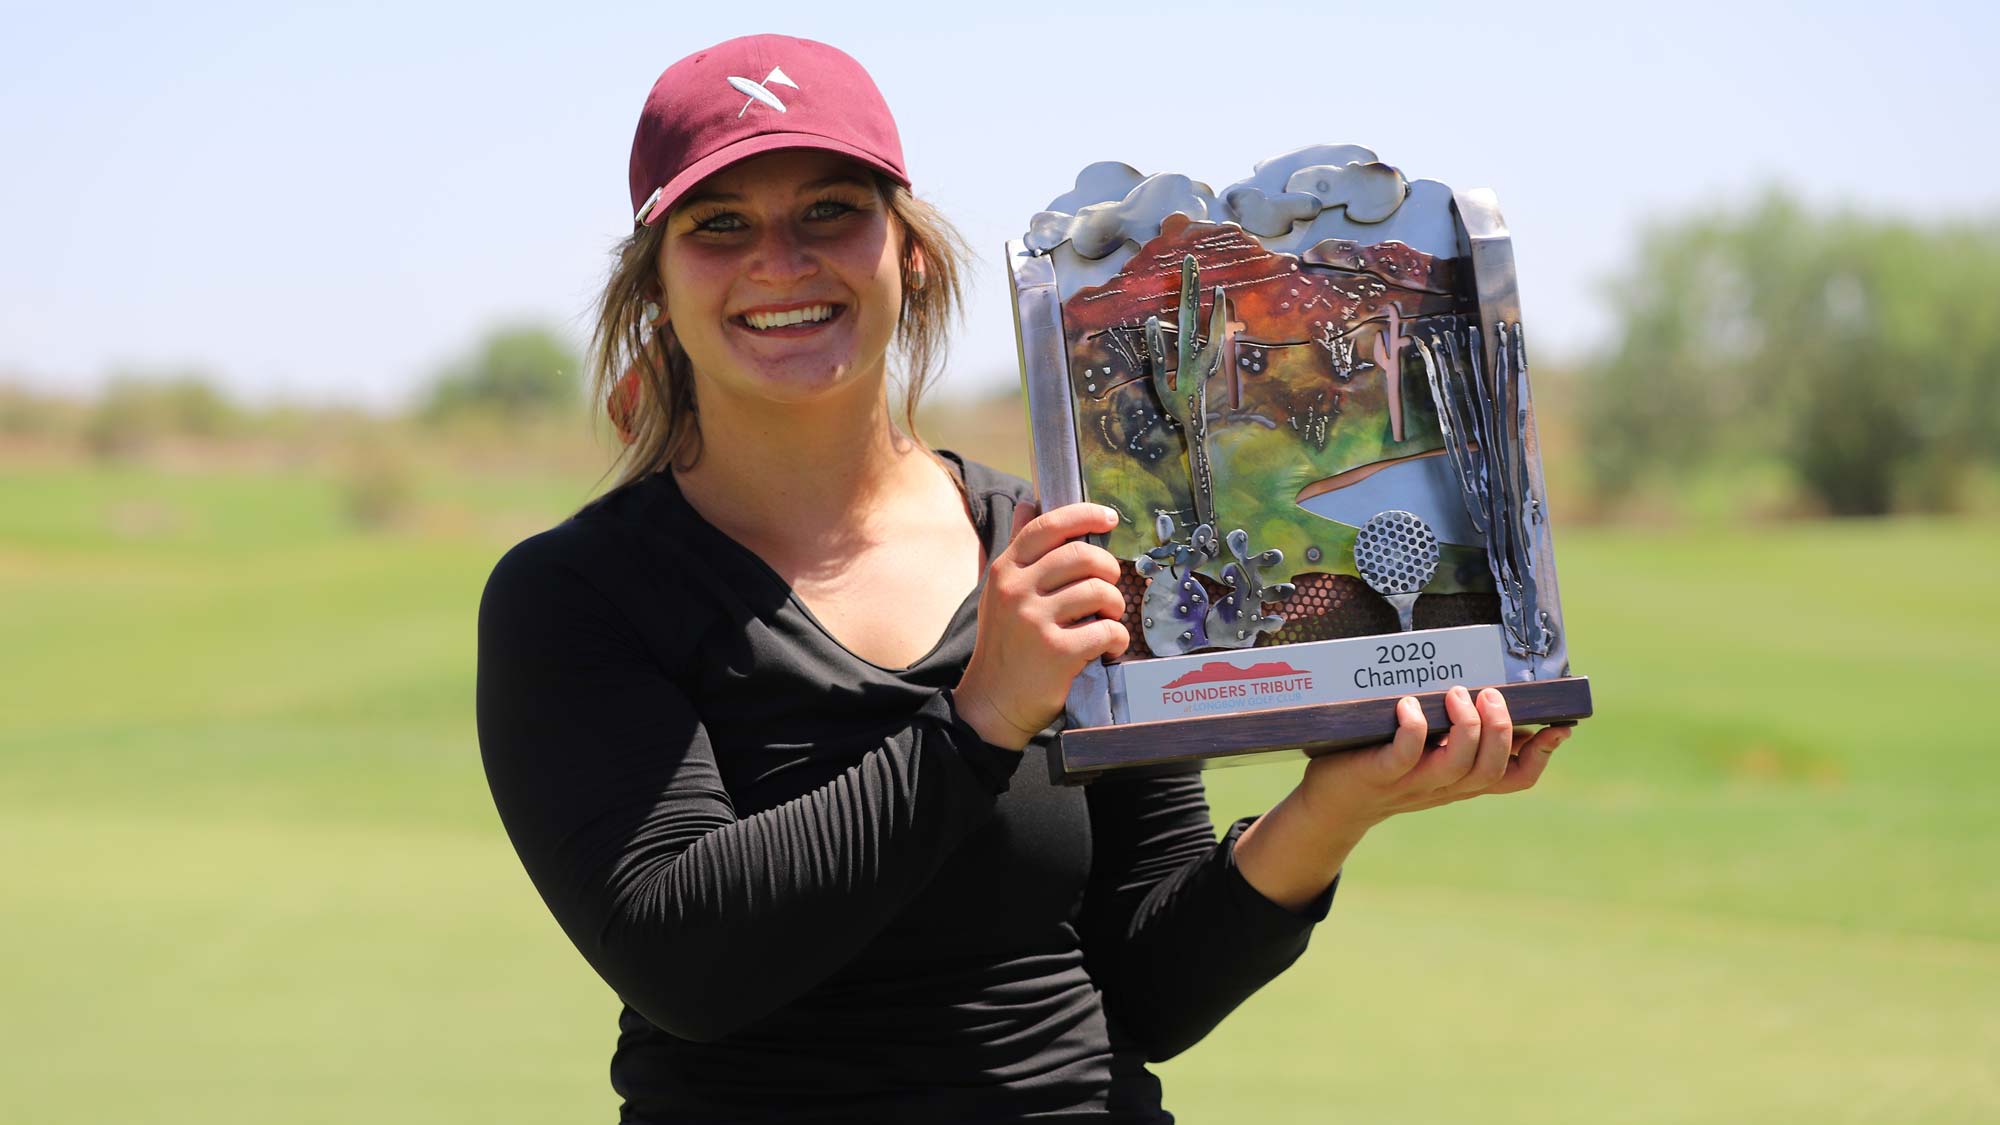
pixel 808 383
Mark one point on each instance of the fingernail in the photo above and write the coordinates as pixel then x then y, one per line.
pixel 1489 696
pixel 1458 692
pixel 1109 513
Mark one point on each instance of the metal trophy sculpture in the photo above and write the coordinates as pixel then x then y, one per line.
pixel 1307 397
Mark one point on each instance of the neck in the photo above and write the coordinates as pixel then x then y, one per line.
pixel 799 470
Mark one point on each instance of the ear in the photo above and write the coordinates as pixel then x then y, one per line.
pixel 653 294
pixel 916 268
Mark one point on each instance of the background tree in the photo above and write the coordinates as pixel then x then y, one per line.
pixel 138 409
pixel 517 372
pixel 1861 353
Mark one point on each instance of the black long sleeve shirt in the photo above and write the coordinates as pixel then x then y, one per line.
pixel 818 892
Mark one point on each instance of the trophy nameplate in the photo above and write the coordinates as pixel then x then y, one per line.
pixel 1307 398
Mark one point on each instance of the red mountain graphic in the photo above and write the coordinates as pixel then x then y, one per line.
pixel 1217 671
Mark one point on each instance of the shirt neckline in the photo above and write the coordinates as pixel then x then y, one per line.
pixel 978 507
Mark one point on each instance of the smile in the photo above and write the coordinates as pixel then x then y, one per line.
pixel 786 318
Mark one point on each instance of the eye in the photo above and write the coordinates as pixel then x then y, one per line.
pixel 717 222
pixel 827 209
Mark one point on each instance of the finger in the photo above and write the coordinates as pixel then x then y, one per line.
pixel 1024 512
pixel 1526 769
pixel 1101 636
pixel 1079 644
pixel 1071 562
pixel 1394 759
pixel 1545 740
pixel 1448 765
pixel 1080 601
pixel 1496 740
pixel 1050 530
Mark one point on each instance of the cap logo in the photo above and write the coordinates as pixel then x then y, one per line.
pixel 760 91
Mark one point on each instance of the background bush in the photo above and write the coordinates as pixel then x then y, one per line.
pixel 517 372
pixel 1861 353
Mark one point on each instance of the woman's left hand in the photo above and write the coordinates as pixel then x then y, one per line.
pixel 1480 754
pixel 1295 850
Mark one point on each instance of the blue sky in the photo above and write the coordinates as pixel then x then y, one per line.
pixel 327 204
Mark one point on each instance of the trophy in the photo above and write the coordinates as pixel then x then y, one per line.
pixel 1307 399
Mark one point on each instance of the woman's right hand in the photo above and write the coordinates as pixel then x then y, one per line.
pixel 1050 606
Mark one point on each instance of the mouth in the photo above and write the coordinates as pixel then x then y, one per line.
pixel 802 318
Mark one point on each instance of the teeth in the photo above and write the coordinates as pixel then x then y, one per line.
pixel 811 314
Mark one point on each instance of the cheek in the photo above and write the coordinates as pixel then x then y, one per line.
pixel 682 310
pixel 688 285
pixel 884 278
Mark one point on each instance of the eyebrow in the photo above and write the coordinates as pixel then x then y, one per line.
pixel 850 179
pixel 854 179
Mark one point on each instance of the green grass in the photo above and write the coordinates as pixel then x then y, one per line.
pixel 249 871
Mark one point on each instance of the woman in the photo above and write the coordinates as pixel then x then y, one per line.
pixel 756 720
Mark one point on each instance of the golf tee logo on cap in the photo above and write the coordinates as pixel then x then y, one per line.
pixel 760 91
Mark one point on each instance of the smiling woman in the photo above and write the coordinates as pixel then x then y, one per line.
pixel 768 722
pixel 644 376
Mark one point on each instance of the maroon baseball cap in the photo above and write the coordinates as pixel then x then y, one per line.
pixel 749 96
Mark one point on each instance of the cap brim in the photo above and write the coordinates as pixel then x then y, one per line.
pixel 756 146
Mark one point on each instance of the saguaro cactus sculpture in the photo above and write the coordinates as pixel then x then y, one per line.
pixel 1184 389
pixel 1177 613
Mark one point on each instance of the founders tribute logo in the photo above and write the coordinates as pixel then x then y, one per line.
pixel 761 91
pixel 1180 687
pixel 1219 681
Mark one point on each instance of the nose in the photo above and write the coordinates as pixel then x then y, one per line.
pixel 782 256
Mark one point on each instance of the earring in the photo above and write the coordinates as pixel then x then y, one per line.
pixel 916 282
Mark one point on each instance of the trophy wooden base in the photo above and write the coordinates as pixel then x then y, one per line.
pixel 1183 745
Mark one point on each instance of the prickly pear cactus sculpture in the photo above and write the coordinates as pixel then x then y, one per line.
pixel 1175 611
pixel 1236 619
pixel 1177 614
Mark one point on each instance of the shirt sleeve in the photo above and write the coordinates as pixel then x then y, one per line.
pixel 701 920
pixel 1173 933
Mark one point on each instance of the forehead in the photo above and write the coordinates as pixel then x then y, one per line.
pixel 780 175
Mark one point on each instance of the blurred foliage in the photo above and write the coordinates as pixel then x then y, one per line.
pixel 24 412
pixel 991 428
pixel 1860 353
pixel 136 411
pixel 516 373
pixel 378 485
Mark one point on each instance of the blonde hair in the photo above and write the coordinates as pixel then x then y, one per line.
pixel 661 422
